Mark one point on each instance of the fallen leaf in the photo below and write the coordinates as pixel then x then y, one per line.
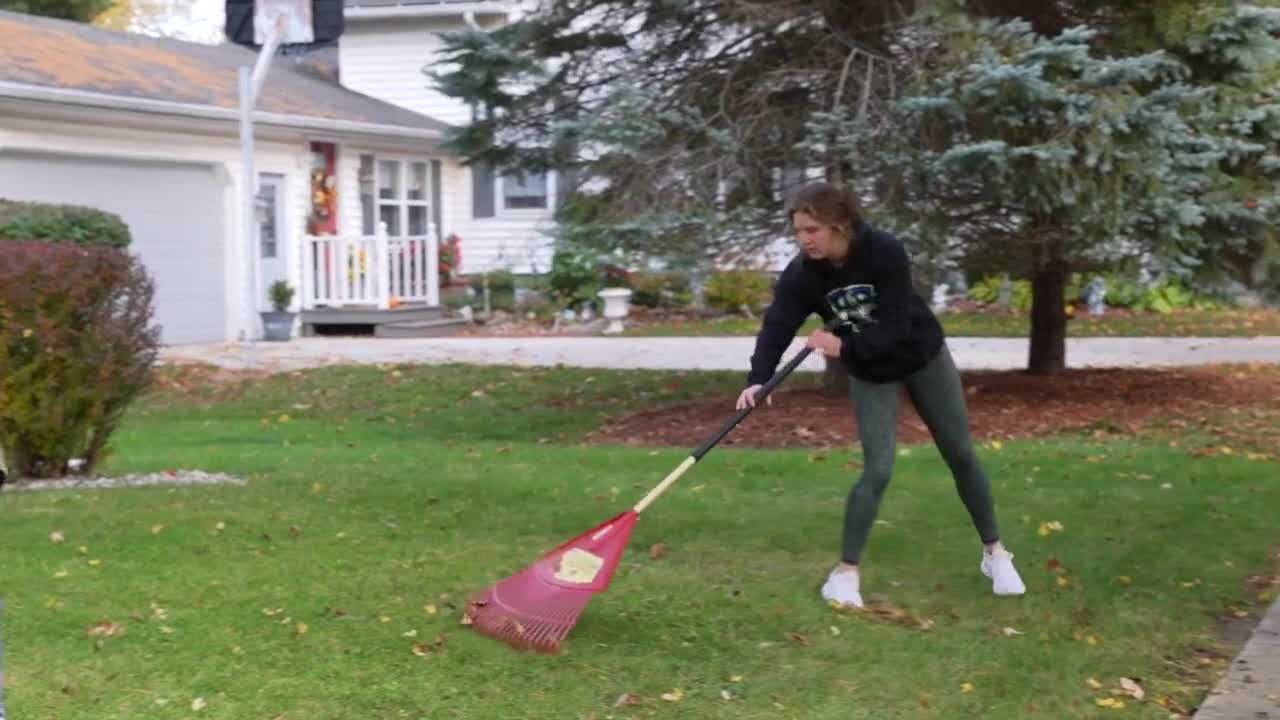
pixel 198 704
pixel 966 687
pixel 157 529
pixel 105 628
pixel 56 536
pixel 1132 688
pixel 421 649
pixel 1052 564
pixel 835 631
pixel 799 639
pixel 674 696
pixel 1125 580
pixel 1010 632
pixel 735 679
pixel 1049 527
pixel 302 628
pixel 1112 703
pixel 726 695
pixel 430 609
pixel 1094 684
pixel 627 699
pixel 657 551
pixel 1063 580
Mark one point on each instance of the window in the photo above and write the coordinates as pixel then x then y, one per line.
pixel 397 192
pixel 493 194
pixel 524 193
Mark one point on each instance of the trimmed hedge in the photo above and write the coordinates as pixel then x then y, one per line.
pixel 77 346
pixel 62 223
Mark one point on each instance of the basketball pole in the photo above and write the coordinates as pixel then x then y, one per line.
pixel 250 85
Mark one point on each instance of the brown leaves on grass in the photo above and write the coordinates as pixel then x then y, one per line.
pixel 105 628
pixel 880 609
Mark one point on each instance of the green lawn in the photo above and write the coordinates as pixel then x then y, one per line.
pixel 379 498
pixel 1188 323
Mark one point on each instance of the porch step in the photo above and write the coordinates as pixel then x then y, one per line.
pixel 441 327
pixel 370 315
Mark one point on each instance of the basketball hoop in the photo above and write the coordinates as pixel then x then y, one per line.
pixel 295 15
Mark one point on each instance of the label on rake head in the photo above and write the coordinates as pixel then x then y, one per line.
pixel 579 566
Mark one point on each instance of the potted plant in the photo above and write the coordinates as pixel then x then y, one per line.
pixel 277 324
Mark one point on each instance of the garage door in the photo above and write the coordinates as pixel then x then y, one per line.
pixel 174 213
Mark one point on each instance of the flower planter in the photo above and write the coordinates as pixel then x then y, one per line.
pixel 617 303
pixel 277 326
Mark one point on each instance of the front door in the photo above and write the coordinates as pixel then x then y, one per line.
pixel 273 246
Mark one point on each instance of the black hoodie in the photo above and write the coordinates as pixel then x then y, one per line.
pixel 887 330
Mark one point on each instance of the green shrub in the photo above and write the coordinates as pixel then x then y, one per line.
pixel 575 277
pixel 1122 291
pixel 62 223
pixel 660 290
pixel 987 291
pixel 729 290
pixel 76 348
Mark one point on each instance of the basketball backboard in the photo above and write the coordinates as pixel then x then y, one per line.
pixel 297 22
pixel 308 23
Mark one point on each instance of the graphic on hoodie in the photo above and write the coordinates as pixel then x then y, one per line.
pixel 854 305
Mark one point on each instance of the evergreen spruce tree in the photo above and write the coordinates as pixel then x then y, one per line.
pixel 1039 156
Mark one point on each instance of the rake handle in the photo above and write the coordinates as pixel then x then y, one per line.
pixel 729 424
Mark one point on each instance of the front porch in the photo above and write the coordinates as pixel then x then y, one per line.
pixel 376 285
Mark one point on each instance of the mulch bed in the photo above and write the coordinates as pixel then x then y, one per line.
pixel 1002 405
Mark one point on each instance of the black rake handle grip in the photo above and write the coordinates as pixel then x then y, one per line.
pixel 761 394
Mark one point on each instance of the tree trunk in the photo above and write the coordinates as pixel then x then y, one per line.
pixel 1048 354
pixel 835 378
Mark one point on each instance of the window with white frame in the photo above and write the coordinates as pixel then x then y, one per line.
pixel 524 192
pixel 397 192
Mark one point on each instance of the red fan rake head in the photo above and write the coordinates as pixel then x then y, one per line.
pixel 537 607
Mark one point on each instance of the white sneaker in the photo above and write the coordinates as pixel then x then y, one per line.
pixel 841 588
pixel 998 566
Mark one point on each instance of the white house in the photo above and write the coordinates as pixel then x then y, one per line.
pixel 384 51
pixel 148 128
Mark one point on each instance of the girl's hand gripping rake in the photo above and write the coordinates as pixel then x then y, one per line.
pixel 536 608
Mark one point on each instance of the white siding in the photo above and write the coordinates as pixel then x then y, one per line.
pixel 123 136
pixel 385 59
pixel 511 241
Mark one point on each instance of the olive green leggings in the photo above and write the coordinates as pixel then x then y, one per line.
pixel 939 399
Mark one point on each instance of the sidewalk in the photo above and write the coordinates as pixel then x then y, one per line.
pixel 699 353
pixel 1251 688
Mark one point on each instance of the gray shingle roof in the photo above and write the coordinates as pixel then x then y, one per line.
pixel 75 56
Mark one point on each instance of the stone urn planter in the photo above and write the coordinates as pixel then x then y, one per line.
pixel 617 303
pixel 277 324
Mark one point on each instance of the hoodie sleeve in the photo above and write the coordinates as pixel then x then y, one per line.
pixel 892 312
pixel 786 313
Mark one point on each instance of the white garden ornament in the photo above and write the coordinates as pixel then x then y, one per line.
pixel 617 303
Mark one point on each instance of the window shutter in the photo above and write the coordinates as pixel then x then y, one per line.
pixel 564 186
pixel 482 200
pixel 436 213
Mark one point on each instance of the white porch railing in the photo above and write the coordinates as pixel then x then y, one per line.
pixel 342 271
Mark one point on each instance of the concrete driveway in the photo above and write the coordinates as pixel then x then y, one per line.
pixel 696 353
